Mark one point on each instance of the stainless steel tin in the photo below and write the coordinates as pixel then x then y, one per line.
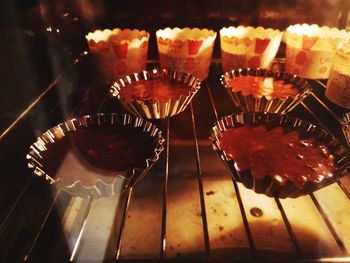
pixel 157 109
pixel 39 154
pixel 250 103
pixel 269 186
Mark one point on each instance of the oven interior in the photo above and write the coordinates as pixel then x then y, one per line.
pixel 188 207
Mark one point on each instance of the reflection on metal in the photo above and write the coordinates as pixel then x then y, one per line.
pixel 77 243
pixel 211 100
pixel 329 225
pixel 122 224
pixel 32 104
pixel 165 192
pixel 200 185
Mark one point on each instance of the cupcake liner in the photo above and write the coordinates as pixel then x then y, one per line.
pixel 338 84
pixel 118 52
pixel 157 109
pixel 251 103
pixel 268 185
pixel 310 49
pixel 46 158
pixel 187 49
pixel 243 47
pixel 345 122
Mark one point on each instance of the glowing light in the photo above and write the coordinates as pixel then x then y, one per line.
pixel 236 166
pixel 345 259
pixel 268 83
pixel 306 144
pixel 309 30
pixel 278 178
pixel 320 177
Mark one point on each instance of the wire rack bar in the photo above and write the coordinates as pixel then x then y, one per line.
pixel 329 225
pixel 238 195
pixel 36 238
pixel 14 205
pixel 82 228
pixel 165 193
pixel 122 223
pixel 289 227
pixel 200 185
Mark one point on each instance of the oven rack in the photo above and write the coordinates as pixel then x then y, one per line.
pixel 182 196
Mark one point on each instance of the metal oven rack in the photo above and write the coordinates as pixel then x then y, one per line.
pixel 187 208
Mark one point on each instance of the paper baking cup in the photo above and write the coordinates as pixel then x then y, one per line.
pixel 268 185
pixel 118 52
pixel 338 84
pixel 345 122
pixel 310 49
pixel 248 47
pixel 249 102
pixel 187 49
pixel 47 159
pixel 150 109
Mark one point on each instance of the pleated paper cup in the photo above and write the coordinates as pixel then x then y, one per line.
pixel 338 84
pixel 269 185
pixel 248 47
pixel 79 154
pixel 310 49
pixel 186 49
pixel 267 98
pixel 345 123
pixel 118 52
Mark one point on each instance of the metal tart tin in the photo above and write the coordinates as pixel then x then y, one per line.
pixel 250 103
pixel 157 109
pixel 268 185
pixel 43 155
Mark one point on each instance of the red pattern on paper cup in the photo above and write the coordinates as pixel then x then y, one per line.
pixel 308 64
pixel 118 52
pixel 186 49
pixel 248 47
pixel 121 50
pixel 261 45
pixel 310 49
pixel 193 46
pixel 301 58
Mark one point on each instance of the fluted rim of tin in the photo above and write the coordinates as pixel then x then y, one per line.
pixel 57 132
pixel 156 109
pixel 340 153
pixel 276 105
